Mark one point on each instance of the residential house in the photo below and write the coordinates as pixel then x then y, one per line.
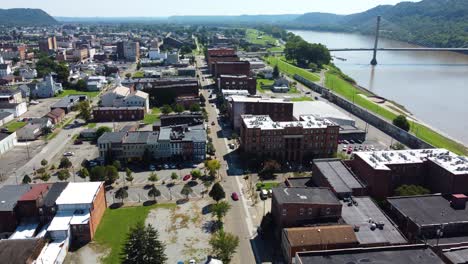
pixel 17 109
pixel 280 85
pixel 45 89
pixel 95 83
pixel 28 73
pixel 10 96
pixel 56 115
pixel 29 132
pixel 122 96
pixel 5 69
pixel 68 102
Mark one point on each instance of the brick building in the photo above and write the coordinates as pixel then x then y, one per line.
pixel 277 109
pixel 293 141
pixel 301 239
pixel 48 44
pixel 231 68
pixel 117 114
pixel 438 170
pixel 294 207
pixel 9 196
pixel 220 54
pixel 237 82
pixel 174 119
pixel 30 202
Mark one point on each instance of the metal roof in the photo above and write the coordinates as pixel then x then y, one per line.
pixel 340 178
pixel 10 194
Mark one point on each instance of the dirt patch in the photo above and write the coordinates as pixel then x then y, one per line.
pixel 184 229
pixel 91 253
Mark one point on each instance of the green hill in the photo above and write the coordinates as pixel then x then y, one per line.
pixel 25 16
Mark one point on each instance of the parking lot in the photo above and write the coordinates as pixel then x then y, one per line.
pixel 18 156
pixel 347 147
pixel 41 109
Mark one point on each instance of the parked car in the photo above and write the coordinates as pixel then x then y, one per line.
pixel 78 142
pixel 307 93
pixel 263 194
pixel 234 196
pixel 231 146
pixel 68 154
pixel 187 177
pixel 166 166
pixel 212 123
pixel 152 167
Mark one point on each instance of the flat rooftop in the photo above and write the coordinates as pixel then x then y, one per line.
pixel 304 195
pixel 361 214
pixel 321 109
pixel 382 255
pixel 257 99
pixel 79 193
pixel 264 122
pixel 442 157
pixel 457 255
pixel 340 178
pixel 10 194
pixel 16 251
pixel 428 209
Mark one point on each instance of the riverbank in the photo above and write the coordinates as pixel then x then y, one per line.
pixel 352 92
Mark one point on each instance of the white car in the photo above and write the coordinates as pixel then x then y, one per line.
pixel 67 154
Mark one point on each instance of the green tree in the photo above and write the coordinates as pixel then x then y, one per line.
pixel 84 109
pixel 111 174
pixel 186 190
pixel 154 192
pixel 224 245
pixel 397 146
pixel 63 175
pixel 217 192
pixel 98 173
pixel 196 174
pixel 219 210
pixel 63 73
pixel 166 109
pixel 26 179
pixel 46 130
pixel 121 193
pixel 84 173
pixel 129 175
pixel 65 163
pixel 195 108
pixel 411 190
pixel 276 72
pixel 44 162
pixel 401 122
pixel 45 176
pixel 128 75
pixel 142 246
pixel 178 108
pixel 174 176
pixel 153 177
pixel 81 85
pixel 101 130
pixel 212 166
pixel 269 169
pixel 116 164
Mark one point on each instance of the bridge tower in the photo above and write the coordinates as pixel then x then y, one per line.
pixel 377 30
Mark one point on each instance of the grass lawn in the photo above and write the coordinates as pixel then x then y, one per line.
pixel 257 37
pixel 301 99
pixel 139 74
pixel 91 125
pixel 290 69
pixel 261 82
pixel 266 185
pixel 15 125
pixel 73 92
pixel 276 49
pixel 153 117
pixel 115 224
pixel 347 90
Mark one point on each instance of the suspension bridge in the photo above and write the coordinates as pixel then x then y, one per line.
pixel 390 27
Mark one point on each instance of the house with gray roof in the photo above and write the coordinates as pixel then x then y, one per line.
pixel 45 89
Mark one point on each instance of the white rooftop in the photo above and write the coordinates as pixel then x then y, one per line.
pixel 60 222
pixel 79 193
pixel 25 230
pixel 444 158
pixel 264 122
pixel 80 218
pixel 321 110
pixel 256 99
pixel 51 251
pixel 234 92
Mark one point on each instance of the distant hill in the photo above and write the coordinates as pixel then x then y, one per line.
pixel 439 23
pixel 267 19
pixel 25 16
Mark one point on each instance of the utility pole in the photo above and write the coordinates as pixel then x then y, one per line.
pixel 377 30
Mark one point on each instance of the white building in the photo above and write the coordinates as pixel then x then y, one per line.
pixel 122 96
pixel 110 98
pixel 5 69
pixel 156 54
pixel 7 141
pixel 95 83
pixel 28 73
pixel 17 109
pixel 137 98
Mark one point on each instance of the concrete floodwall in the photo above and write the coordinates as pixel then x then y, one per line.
pixel 369 117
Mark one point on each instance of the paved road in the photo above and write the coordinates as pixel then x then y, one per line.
pixel 239 220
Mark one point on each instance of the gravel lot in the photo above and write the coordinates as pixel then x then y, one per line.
pixel 185 230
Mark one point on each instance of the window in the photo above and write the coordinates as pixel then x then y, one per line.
pixel 301 211
pixel 285 212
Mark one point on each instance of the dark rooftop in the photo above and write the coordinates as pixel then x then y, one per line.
pixel 428 209
pixel 414 254
pixel 54 193
pixel 112 137
pixel 18 251
pixel 457 256
pixel 3 136
pixel 69 100
pixel 359 214
pixel 300 182
pixel 10 194
pixel 340 178
pixel 4 114
pixel 304 195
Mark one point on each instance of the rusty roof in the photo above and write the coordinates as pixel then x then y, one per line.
pixel 321 235
pixel 35 191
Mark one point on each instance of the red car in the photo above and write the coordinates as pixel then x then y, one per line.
pixel 234 196
pixel 187 177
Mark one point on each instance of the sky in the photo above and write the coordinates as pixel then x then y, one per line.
pixel 164 8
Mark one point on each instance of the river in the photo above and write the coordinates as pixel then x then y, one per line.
pixel 433 86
